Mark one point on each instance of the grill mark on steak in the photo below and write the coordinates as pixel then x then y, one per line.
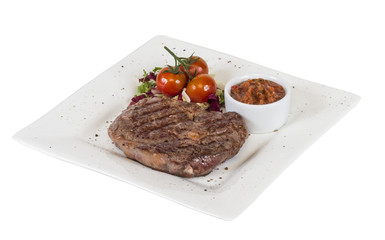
pixel 177 137
pixel 152 107
pixel 161 122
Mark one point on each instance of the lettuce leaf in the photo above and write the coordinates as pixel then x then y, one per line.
pixel 214 103
pixel 146 86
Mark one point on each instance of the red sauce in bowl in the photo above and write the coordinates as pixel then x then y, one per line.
pixel 257 91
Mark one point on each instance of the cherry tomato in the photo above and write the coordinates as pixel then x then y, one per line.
pixel 170 83
pixel 200 87
pixel 200 66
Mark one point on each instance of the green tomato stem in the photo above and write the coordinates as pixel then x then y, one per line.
pixel 176 58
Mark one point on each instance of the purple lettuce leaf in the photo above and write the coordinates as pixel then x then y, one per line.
pixel 148 77
pixel 137 99
pixel 180 98
pixel 142 96
pixel 214 103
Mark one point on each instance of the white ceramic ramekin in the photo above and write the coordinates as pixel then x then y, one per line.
pixel 260 118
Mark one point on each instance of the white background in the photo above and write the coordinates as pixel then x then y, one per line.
pixel 335 190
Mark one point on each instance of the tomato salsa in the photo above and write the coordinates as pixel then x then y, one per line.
pixel 257 91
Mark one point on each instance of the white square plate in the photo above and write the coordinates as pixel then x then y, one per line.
pixel 76 131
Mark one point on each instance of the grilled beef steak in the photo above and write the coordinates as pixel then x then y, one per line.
pixel 177 137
